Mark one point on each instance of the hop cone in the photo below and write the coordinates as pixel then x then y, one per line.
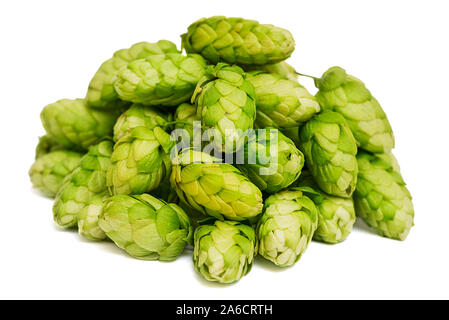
pixel 330 149
pixel 86 181
pixel 348 96
pixel 215 189
pixel 236 40
pixel 74 126
pixel 45 145
pixel 137 116
pixel 136 163
pixel 272 162
pixel 281 103
pixel 282 69
pixel 145 227
pixel 224 250
pixel 286 227
pixel 185 115
pixel 88 218
pixel 336 216
pixel 101 90
pixel 161 80
pixel 226 103
pixel 381 197
pixel 49 170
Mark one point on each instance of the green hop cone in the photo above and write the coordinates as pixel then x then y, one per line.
pixel 185 115
pixel 330 150
pixel 136 163
pixel 145 227
pixel 88 218
pixel 45 145
pixel 137 116
pixel 215 189
pixel 282 69
pixel 224 250
pixel 336 216
pixel 101 91
pixel 225 101
pixel 161 80
pixel 73 125
pixel 237 40
pixel 286 227
pixel 272 161
pixel 86 181
pixel 281 103
pixel 348 96
pixel 381 197
pixel 49 170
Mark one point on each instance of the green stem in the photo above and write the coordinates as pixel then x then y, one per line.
pixel 306 75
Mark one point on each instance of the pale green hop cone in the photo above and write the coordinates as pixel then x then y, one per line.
pixel 336 216
pixel 271 160
pixel 160 80
pixel 216 189
pixel 49 170
pixel 224 250
pixel 101 90
pixel 73 125
pixel 88 218
pixel 282 69
pixel 330 150
pixel 145 227
pixel 237 40
pixel 286 227
pixel 381 198
pixel 281 103
pixel 347 95
pixel 136 163
pixel 225 101
pixel 86 181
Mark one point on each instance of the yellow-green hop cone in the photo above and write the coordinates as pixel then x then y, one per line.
pixel 101 90
pixel 381 198
pixel 136 163
pixel 224 250
pixel 139 116
pixel 330 150
pixel 281 103
pixel 145 227
pixel 216 189
pixel 160 80
pixel 237 40
pixel 185 116
pixel 88 217
pixel 282 69
pixel 73 125
pixel 336 215
pixel 86 181
pixel 348 96
pixel 271 160
pixel 286 227
pixel 225 101
pixel 50 169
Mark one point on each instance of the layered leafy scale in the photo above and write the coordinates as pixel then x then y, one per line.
pixel 84 183
pixel 88 217
pixel 45 145
pixel 330 150
pixel 281 103
pixel 160 80
pixel 224 250
pixel 286 227
pixel 271 160
pixel 101 90
pixel 185 116
pixel 282 69
pixel 381 198
pixel 216 189
pixel 348 96
pixel 145 227
pixel 237 40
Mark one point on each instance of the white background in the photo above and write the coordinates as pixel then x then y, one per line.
pixel 50 49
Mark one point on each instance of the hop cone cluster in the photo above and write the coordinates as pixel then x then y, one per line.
pixel 145 227
pixel 286 227
pixel 348 96
pixel 237 40
pixel 381 198
pixel 272 161
pixel 224 250
pixel 330 150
